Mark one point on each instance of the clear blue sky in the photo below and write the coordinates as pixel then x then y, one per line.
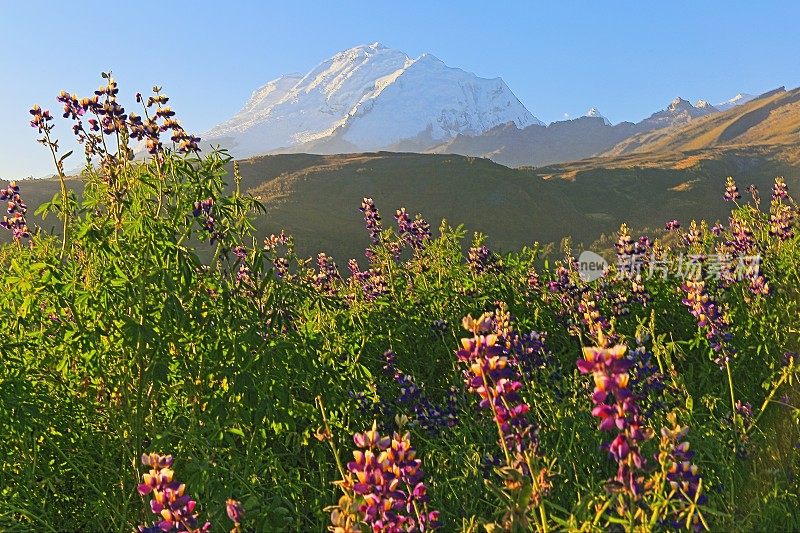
pixel 626 58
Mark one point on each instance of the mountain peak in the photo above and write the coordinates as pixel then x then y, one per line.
pixel 357 53
pixel 370 97
pixel 704 105
pixel 679 104
pixel 739 99
pixel 372 46
pixel 593 112
pixel 429 58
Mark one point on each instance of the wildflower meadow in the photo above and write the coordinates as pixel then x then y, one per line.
pixel 164 368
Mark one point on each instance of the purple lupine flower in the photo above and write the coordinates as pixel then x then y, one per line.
pixel 244 275
pixel 742 239
pixel 273 241
pixel 781 221
pixel 759 285
pixel 645 375
pixel 621 299
pixel 672 225
pixel 240 252
pixel 624 245
pixel 533 280
pixel 170 502
pixel 565 288
pixel 745 410
pixel 371 282
pixel 481 260
pixel 717 229
pixel 422 412
pixel 525 352
pixel 596 324
pixel 643 245
pixel 709 317
pixel 414 233
pixel 372 219
pixel 694 236
pixel 235 512
pixel 14 221
pixel 497 384
pixel 731 190
pixel 742 418
pixel 403 220
pixel 325 280
pixel 41 117
pixel 744 243
pixel 617 409
pixel 779 189
pixel 639 292
pixel 683 476
pixel 439 326
pixel 281 267
pixel 74 107
pixel 388 484
pixel 204 212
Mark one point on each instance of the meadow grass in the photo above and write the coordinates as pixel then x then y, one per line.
pixel 153 349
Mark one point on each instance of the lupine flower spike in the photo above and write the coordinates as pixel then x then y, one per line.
pixel 170 502
pixel 387 486
pixel 731 190
pixel 685 485
pixel 14 220
pixel 617 409
pixel 235 513
pixel 414 233
pixel 710 317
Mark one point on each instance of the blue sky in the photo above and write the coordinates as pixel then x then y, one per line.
pixel 626 58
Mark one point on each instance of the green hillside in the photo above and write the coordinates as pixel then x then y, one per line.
pixel 316 197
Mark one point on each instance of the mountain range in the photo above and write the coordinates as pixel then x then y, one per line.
pixel 368 98
pixel 651 177
pixel 371 98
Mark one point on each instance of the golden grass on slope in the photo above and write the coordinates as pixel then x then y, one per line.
pixel 773 118
pixel 685 186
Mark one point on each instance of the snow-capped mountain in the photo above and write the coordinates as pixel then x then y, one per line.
pixel 593 112
pixel 368 98
pixel 739 99
pixel 679 111
pixel 704 104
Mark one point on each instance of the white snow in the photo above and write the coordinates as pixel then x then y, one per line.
pixel 679 104
pixel 593 112
pixel 372 96
pixel 739 99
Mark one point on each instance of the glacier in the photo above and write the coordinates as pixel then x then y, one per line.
pixel 370 97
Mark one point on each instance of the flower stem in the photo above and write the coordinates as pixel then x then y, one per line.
pixel 64 200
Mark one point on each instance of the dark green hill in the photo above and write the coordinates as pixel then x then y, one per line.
pixel 316 197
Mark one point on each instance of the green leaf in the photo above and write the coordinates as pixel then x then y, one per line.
pixel 236 431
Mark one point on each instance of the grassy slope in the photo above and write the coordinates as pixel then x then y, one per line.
pixel 772 119
pixel 316 198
